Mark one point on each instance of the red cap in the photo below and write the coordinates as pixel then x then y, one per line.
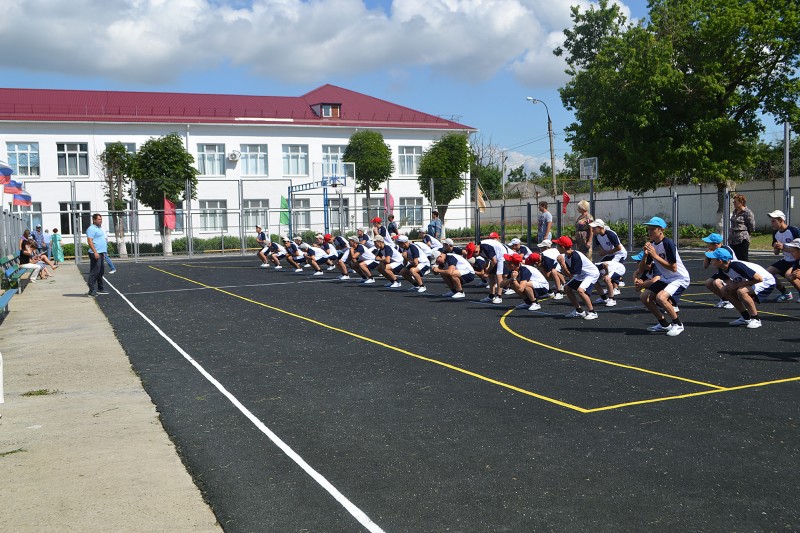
pixel 470 248
pixel 377 219
pixel 564 241
pixel 328 237
pixel 513 258
pixel 533 258
pixel 395 236
pixel 494 235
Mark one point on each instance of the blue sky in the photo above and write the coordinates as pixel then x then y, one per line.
pixel 474 61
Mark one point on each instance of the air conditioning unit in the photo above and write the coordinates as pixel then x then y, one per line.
pixel 234 156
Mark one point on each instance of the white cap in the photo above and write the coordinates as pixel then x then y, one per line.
pixel 547 243
pixel 777 214
pixel 286 238
pixel 402 238
pixel 598 223
pixel 353 238
pixel 793 244
pixel 304 246
pixel 448 241
pixel 515 241
pixel 378 238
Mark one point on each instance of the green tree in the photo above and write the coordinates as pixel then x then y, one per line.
pixel 117 166
pixel 443 163
pixel 486 166
pixel 373 161
pixel 677 98
pixel 162 169
pixel 518 174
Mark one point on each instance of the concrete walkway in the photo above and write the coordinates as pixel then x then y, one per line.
pixel 81 445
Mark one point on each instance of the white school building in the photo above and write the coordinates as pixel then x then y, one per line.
pixel 249 150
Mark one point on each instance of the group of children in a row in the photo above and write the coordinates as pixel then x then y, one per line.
pixel 660 275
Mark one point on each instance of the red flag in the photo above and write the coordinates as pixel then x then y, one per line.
pixel 169 214
pixel 565 200
pixel 388 202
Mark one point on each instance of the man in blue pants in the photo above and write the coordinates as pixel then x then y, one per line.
pixel 98 248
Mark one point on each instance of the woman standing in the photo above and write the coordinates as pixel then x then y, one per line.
pixel 743 223
pixel 58 250
pixel 583 233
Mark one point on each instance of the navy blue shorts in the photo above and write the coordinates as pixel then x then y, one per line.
pixel 782 265
pixel 466 278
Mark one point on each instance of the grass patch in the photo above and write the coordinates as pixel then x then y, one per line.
pixel 40 392
pixel 761 242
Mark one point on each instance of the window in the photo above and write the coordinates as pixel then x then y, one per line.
pixel 376 209
pixel 73 159
pixel 123 216
pixel 255 212
pixel 129 147
pixel 333 209
pixel 331 110
pixel 409 159
pixel 410 211
pixel 301 213
pixel 24 158
pixel 295 160
pixel 254 160
pixel 213 215
pixel 82 210
pixel 31 214
pixel 211 159
pixel 332 160
pixel 179 225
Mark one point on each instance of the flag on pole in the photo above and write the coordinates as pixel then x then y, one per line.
pixel 12 187
pixel 169 214
pixel 388 201
pixel 565 199
pixel 284 220
pixel 481 199
pixel 22 198
pixel 5 173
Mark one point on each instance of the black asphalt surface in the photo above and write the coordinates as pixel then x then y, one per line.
pixel 449 421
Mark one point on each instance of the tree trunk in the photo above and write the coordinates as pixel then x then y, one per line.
pixel 166 241
pixel 119 233
pixel 721 186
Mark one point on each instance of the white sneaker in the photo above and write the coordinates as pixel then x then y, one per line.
pixel 534 306
pixel 658 328
pixel 487 299
pixel 388 284
pixel 611 302
pixel 617 292
pixel 728 305
pixel 621 283
pixel 422 288
pixel 576 314
pixel 306 266
pixel 522 306
pixel 395 285
pixel 413 289
pixel 448 294
pixel 754 323
pixel 509 292
pixel 497 300
pixel 741 321
pixel 599 301
pixel 676 308
pixel 112 271
pixel 720 304
pixel 369 281
pixel 331 267
pixel 458 296
pixel 558 296
pixel 278 267
pixel 298 269
pixel 675 330
pixel 264 265
pixel 318 273
pixel 344 277
pixel 590 315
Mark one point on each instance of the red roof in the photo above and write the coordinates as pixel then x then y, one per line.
pixel 357 109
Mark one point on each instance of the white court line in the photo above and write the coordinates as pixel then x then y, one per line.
pixel 357 513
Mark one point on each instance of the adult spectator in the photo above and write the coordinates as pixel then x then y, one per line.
pixel 26 255
pixel 98 248
pixel 47 240
pixel 38 237
pixel 56 248
pixel 583 233
pixel 394 228
pixel 743 223
pixel 435 226
pixel 783 234
pixel 545 232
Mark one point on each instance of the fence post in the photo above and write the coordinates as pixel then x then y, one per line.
pixel 726 215
pixel 242 234
pixel 477 213
pixel 631 242
pixel 503 222
pixel 559 227
pixel 675 229
pixel 530 220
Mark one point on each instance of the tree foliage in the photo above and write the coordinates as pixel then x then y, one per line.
pixel 117 166
pixel 444 162
pixel 677 98
pixel 162 168
pixel 372 158
pixel 486 166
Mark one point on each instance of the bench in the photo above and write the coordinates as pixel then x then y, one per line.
pixel 13 275
pixel 4 299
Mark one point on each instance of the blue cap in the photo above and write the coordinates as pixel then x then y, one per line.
pixel 656 221
pixel 720 253
pixel 714 238
pixel 638 257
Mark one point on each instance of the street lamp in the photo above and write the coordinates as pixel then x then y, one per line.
pixel 533 100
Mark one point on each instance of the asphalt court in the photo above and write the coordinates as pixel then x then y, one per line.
pixel 380 375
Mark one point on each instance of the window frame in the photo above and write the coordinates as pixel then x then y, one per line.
pixel 13 152
pixel 299 158
pixel 403 208
pixel 259 158
pixel 65 153
pixel 208 160
pixel 213 219
pixel 408 160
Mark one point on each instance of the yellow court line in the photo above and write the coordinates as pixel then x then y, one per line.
pixel 384 345
pixel 604 361
pixel 760 311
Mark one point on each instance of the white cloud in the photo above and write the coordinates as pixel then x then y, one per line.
pixel 152 41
